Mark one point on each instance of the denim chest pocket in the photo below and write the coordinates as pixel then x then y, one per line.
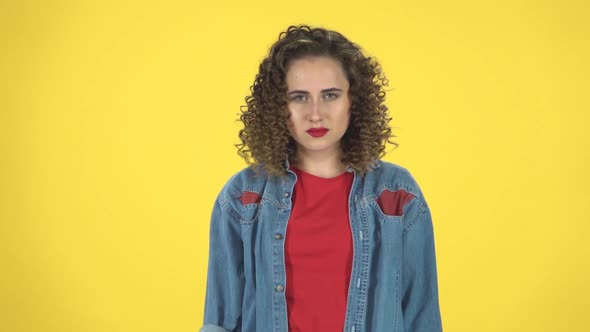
pixel 382 216
pixel 391 206
pixel 251 204
pixel 250 212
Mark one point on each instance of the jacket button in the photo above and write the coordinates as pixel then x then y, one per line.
pixel 278 236
pixel 280 288
pixel 287 195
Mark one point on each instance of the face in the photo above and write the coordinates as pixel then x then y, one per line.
pixel 318 105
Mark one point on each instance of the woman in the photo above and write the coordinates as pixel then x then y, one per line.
pixel 318 233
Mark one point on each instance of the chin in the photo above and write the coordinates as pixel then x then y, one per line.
pixel 318 148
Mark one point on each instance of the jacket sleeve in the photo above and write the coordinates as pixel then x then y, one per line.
pixel 420 303
pixel 225 274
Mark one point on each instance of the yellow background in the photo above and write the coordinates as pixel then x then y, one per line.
pixel 117 125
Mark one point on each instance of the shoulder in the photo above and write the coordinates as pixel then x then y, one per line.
pixel 392 177
pixel 244 185
pixel 394 191
pixel 243 193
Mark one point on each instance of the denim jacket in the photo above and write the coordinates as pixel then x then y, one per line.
pixel 393 283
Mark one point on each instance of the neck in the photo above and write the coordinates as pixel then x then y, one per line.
pixel 320 165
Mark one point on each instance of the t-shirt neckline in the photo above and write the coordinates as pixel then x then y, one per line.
pixel 319 178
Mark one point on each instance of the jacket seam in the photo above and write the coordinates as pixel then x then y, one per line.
pixel 224 204
pixel 419 210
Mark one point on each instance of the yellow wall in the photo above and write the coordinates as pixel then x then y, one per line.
pixel 117 131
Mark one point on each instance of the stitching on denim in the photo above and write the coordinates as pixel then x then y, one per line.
pixel 410 188
pixel 350 317
pixel 381 193
pixel 361 309
pixel 225 207
pixel 420 209
pixel 383 217
pixel 397 291
pixel 254 206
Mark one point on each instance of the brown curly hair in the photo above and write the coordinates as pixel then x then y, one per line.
pixel 266 141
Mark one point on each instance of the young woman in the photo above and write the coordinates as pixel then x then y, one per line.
pixel 318 233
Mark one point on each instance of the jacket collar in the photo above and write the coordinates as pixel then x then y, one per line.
pixel 374 165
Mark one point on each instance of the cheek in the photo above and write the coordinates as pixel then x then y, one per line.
pixel 293 120
pixel 345 114
pixel 291 125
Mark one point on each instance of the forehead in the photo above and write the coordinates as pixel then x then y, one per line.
pixel 315 71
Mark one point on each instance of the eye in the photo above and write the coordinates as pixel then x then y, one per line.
pixel 299 98
pixel 331 95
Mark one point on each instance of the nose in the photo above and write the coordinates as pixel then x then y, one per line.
pixel 314 114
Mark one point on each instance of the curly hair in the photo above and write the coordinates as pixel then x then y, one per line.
pixel 266 141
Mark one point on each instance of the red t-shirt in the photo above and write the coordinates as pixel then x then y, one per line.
pixel 318 253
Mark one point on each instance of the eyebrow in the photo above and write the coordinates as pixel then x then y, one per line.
pixel 306 92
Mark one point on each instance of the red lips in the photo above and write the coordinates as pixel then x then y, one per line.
pixel 317 132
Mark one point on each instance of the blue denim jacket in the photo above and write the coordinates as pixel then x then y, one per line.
pixel 393 284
